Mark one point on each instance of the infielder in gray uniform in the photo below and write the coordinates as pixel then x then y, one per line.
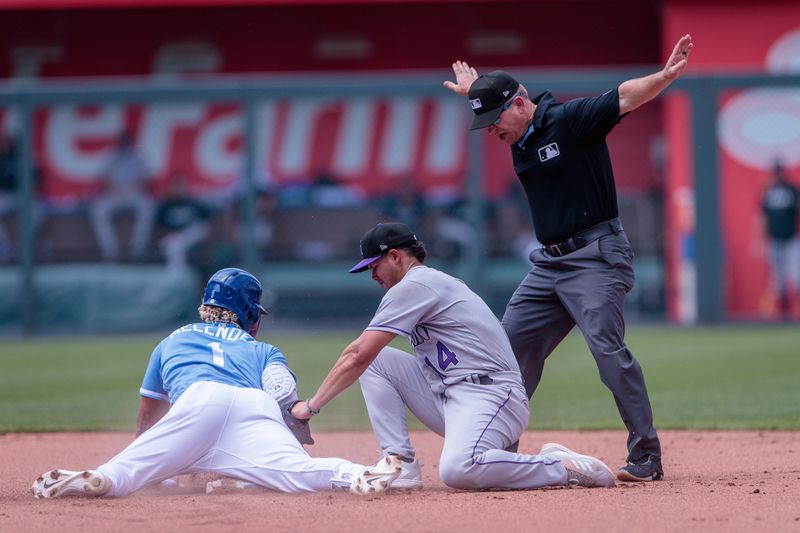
pixel 463 382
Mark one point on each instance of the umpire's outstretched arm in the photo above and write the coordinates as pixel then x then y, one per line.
pixel 633 93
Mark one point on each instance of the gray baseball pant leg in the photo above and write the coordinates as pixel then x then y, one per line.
pixel 535 322
pixel 586 287
pixel 393 381
pixel 476 421
pixel 595 297
pixel 481 422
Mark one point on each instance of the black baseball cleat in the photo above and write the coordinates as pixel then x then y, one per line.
pixel 648 468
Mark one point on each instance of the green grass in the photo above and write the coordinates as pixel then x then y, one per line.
pixel 727 377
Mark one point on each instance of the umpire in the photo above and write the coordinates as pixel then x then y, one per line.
pixel 585 267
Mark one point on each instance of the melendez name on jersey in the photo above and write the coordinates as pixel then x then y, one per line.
pixel 217 352
pixel 454 334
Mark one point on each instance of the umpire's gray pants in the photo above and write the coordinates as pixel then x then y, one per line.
pixel 586 287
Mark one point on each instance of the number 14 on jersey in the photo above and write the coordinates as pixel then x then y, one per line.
pixel 444 356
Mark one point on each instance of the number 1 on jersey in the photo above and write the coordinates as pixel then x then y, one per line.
pixel 217 355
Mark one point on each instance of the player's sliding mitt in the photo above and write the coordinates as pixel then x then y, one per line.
pixel 300 428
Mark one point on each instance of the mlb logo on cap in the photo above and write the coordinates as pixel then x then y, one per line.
pixel 487 95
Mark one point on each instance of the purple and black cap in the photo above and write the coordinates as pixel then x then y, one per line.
pixel 487 95
pixel 379 240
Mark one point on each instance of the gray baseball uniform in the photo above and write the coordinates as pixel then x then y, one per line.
pixel 463 384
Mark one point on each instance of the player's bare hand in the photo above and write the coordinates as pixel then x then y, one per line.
pixel 679 58
pixel 300 411
pixel 465 75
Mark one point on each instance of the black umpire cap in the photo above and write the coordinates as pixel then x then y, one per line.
pixel 487 95
pixel 380 239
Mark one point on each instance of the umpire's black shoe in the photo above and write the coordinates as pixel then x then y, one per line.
pixel 648 468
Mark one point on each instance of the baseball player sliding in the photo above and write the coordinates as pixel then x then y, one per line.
pixel 214 400
pixel 463 383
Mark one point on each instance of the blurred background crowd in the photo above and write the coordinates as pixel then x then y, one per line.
pixel 351 128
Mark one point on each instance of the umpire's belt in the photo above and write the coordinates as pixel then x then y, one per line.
pixel 583 238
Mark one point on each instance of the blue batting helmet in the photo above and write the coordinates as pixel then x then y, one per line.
pixel 237 291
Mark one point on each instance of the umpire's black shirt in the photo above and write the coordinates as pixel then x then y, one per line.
pixel 565 167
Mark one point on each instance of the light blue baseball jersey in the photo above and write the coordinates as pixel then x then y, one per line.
pixel 216 352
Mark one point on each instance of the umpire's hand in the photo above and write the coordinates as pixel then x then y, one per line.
pixel 465 75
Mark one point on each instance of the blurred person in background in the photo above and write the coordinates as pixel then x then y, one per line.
pixel 125 188
pixel 264 223
pixel 235 234
pixel 585 268
pixel 779 206
pixel 509 228
pixel 404 203
pixel 9 194
pixel 327 191
pixel 184 221
pixel 445 221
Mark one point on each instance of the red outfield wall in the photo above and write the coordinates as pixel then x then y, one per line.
pixel 754 127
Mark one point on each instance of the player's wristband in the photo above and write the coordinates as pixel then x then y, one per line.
pixel 310 409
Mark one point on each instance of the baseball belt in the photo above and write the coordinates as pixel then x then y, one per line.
pixel 479 379
pixel 584 238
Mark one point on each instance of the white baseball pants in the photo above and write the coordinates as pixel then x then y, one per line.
pixel 235 432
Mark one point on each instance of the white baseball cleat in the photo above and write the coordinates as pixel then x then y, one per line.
pixel 377 478
pixel 410 477
pixel 58 483
pixel 582 470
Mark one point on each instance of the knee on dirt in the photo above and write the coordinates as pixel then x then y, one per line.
pixel 459 473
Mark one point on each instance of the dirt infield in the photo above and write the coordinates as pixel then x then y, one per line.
pixel 715 481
